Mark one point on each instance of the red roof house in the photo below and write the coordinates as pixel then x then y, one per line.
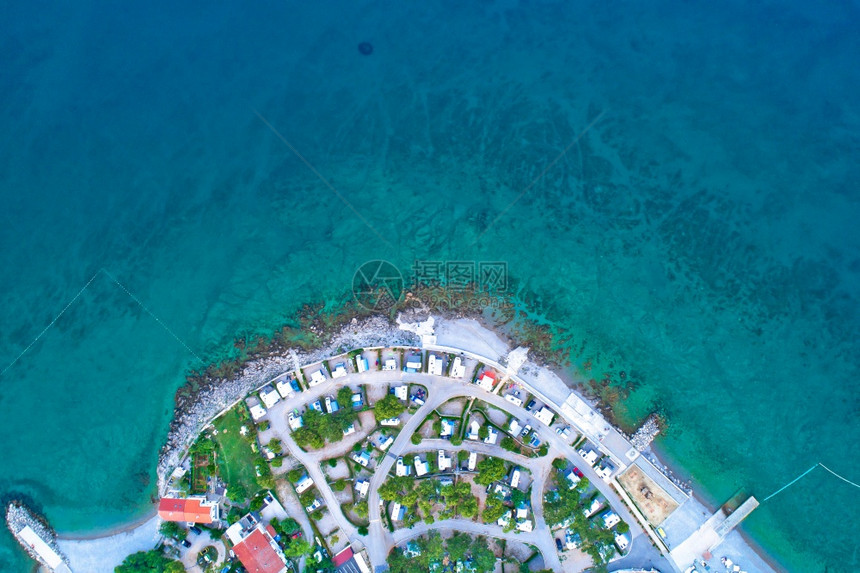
pixel 342 557
pixel 258 552
pixel 192 510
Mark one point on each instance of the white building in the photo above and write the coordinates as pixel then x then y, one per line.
pixel 401 469
pixel 421 468
pixel 444 461
pixel 573 479
pixel 434 365
pixel 474 427
pixel 593 508
pixel 284 388
pixel 361 459
pixel 458 369
pixel 269 396
pixel 545 415
pixel 486 381
pixel 590 456
pixel 621 541
pixel 361 364
pixel 390 364
pixel 339 370
pixel 304 484
pixel 504 520
pixel 349 430
pixel 610 519
pixel 514 400
pixel 362 486
pixel 257 410
pixel 473 461
pixel 522 513
pixel 413 363
pixel 401 392
pixel 492 436
pixel 514 428
pixel 390 422
pixel 385 442
pixel 447 428
pixel 318 377
pixel 515 477
pixel 295 422
pixel 525 525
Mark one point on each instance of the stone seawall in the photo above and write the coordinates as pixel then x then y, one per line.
pixel 194 414
pixel 19 516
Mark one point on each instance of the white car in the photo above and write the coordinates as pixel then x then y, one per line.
pixel 328 404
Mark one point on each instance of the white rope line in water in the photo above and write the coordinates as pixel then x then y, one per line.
pixel 798 478
pixel 839 476
pixel 50 324
pixel 80 292
pixel 150 313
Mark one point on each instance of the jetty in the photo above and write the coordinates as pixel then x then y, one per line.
pixel 711 534
pixel 36 537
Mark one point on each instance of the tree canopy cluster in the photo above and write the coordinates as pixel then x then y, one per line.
pixel 153 561
pixel 454 499
pixel 567 503
pixel 388 407
pixel 320 428
pixel 460 547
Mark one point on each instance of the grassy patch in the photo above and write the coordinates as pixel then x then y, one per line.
pixel 237 460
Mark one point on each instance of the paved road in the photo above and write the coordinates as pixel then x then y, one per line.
pixel 379 540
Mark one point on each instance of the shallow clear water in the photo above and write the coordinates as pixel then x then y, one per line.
pixel 701 234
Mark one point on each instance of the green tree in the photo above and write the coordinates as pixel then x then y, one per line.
pixel 416 438
pixel 276 446
pixel 483 560
pixel 362 530
pixel 458 546
pixel 344 397
pixel 468 507
pixel 483 432
pixel 388 407
pixel 622 527
pixel 361 509
pixel 489 470
pixel 509 444
pixel 297 548
pixel 560 464
pixel 171 529
pixel 462 455
pixel 339 485
pixel 493 510
pixel 295 474
pixel 152 561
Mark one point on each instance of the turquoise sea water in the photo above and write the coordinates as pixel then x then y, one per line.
pixel 701 233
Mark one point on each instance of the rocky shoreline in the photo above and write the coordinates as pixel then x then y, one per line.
pixel 192 413
pixel 19 516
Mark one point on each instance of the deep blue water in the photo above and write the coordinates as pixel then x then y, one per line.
pixel 702 232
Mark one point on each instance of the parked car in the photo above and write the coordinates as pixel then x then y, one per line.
pixel 526 430
pixel 531 405
pixel 186 543
pixel 558 544
pixel 577 472
pixel 195 530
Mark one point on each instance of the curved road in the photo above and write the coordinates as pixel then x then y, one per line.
pixel 440 389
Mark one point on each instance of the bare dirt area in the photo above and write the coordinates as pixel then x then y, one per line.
pixel 452 408
pixel 340 471
pixel 518 551
pixel 326 524
pixel 649 497
pixel 376 392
